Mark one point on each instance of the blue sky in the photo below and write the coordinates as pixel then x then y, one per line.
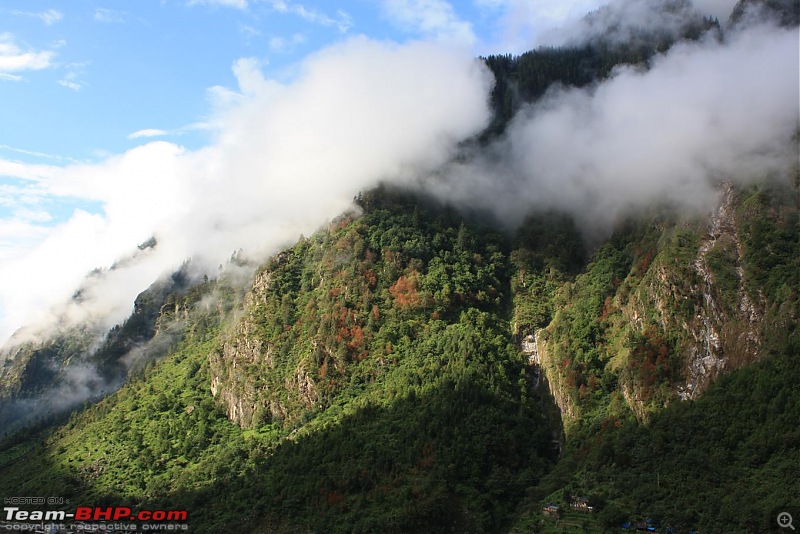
pixel 83 80
pixel 78 78
pixel 101 71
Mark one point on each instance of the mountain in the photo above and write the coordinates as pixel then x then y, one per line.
pixel 784 12
pixel 411 369
pixel 416 366
pixel 46 374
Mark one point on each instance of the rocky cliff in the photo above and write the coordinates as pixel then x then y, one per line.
pixel 668 304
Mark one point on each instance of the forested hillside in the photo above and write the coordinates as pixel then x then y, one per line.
pixel 419 366
pixel 375 377
pixel 373 374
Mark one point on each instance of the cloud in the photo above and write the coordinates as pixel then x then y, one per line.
pixel 14 59
pixel 286 44
pixel 71 81
pixel 34 153
pixel 49 17
pixel 627 21
pixel 431 18
pixel 148 132
pixel 287 157
pixel 522 23
pixel 25 171
pixel 703 113
pixel 343 21
pixel 69 84
pixel 238 4
pixel 109 16
pixel 525 24
pixel 248 31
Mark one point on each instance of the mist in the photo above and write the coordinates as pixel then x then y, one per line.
pixel 286 157
pixel 702 114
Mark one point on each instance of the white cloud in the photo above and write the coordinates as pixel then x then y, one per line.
pixel 32 216
pixel 18 235
pixel 72 78
pixel 238 4
pixel 14 59
pixel 343 21
pixel 248 31
pixel 147 132
pixel 288 157
pixel 286 44
pixel 431 18
pixel 524 22
pixel 69 84
pixel 108 16
pixel 25 171
pixel 49 17
pixel 703 113
pixel 34 153
pixel 623 20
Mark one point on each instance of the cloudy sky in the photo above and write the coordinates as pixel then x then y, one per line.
pixel 220 124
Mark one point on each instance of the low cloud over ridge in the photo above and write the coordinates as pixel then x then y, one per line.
pixel 703 113
pixel 287 158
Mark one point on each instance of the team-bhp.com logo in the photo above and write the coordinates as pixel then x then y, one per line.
pixel 94 513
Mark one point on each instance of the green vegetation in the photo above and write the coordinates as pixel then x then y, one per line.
pixel 38 381
pixel 371 379
pixel 725 462
pixel 374 378
pixel 422 414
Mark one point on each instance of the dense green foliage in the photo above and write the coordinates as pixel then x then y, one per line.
pixel 387 392
pixel 423 420
pixel 724 463
pixel 370 379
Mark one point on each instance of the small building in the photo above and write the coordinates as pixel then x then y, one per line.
pixel 581 504
pixel 550 509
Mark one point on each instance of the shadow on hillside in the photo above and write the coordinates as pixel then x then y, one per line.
pixel 457 458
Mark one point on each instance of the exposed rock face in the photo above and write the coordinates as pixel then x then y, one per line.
pixel 726 328
pixel 237 370
pixel 695 297
pixel 553 378
pixel 231 383
pixel 529 348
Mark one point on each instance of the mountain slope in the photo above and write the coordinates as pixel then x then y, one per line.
pixel 396 400
pixel 411 368
pixel 59 369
